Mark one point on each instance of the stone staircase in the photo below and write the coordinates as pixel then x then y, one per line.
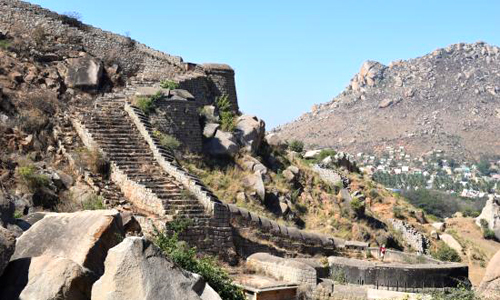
pixel 111 128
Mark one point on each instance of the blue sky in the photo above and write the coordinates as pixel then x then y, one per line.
pixel 289 55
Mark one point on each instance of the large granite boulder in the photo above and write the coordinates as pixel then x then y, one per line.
pixel 82 72
pixel 255 183
pixel 490 285
pixel 7 246
pixel 491 213
pixel 222 144
pixel 46 278
pixel 83 237
pixel 250 131
pixel 136 269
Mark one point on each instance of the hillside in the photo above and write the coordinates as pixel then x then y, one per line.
pixel 448 100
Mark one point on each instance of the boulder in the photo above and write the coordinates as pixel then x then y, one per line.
pixel 385 103
pixel 255 183
pixel 82 72
pixel 210 129
pixel 490 285
pixel 491 213
pixel 252 164
pixel 311 154
pixel 7 209
pixel 440 226
pixel 46 277
pixel 222 144
pixel 209 112
pixel 250 131
pixel 136 269
pixel 7 246
pixel 83 237
pixel 289 176
pixel 274 140
pixel 451 242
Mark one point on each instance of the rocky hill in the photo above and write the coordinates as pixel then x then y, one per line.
pixel 448 99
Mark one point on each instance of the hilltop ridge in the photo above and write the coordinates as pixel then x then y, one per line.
pixel 448 99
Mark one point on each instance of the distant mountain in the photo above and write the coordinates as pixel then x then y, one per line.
pixel 448 99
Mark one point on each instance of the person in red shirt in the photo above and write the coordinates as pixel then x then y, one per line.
pixel 382 252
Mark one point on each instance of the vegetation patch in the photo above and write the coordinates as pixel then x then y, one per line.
pixel 227 116
pixel 29 177
pixel 93 202
pixel 147 104
pixel 185 256
pixel 296 146
pixel 169 84
pixel 166 140
pixel 446 253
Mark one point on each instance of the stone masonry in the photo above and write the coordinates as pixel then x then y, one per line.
pixel 414 238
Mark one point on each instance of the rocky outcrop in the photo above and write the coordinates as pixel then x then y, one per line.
pixel 46 277
pixel 222 144
pixel 82 72
pixel 136 269
pixel 250 131
pixel 83 237
pixel 491 213
pixel 7 246
pixel 255 183
pixel 6 210
pixel 490 285
pixel 446 100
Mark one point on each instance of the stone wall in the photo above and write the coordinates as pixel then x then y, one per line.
pixel 130 55
pixel 406 277
pixel 222 82
pixel 411 236
pixel 180 119
pixel 402 257
pixel 283 269
pixel 198 85
pixel 288 241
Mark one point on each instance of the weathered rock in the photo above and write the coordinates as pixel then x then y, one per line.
pixel 82 72
pixel 45 198
pixel 289 176
pixel 46 278
pixel 311 154
pixel 434 235
pixel 252 164
pixel 83 237
pixel 491 213
pixel 420 216
pixel 250 131
pixel 210 129
pixel 7 246
pixel 255 183
pixel 222 144
pixel 451 242
pixel 385 103
pixel 490 285
pixel 275 141
pixel 7 209
pixel 136 269
pixel 209 112
pixel 440 226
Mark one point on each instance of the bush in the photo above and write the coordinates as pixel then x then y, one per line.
pixel 32 180
pixel 462 292
pixel 446 253
pixel 93 202
pixel 206 266
pixel 147 104
pixel 398 212
pixel 32 121
pixel 4 44
pixel 338 275
pixel 296 146
pixel 169 84
pixel 167 140
pixel 227 116
pixel 358 207
pixel 97 163
pixel 487 232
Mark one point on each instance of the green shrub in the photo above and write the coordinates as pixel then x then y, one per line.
pixel 338 275
pixel 462 292
pixel 166 140
pixel 398 212
pixel 4 44
pixel 227 116
pixel 469 212
pixel 446 253
pixel 358 207
pixel 169 84
pixel 93 202
pixel 147 104
pixel 487 232
pixel 206 266
pixel 296 146
pixel 31 179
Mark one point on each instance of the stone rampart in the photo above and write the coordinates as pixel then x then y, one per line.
pixel 222 83
pixel 405 277
pixel 283 269
pixel 180 118
pixel 411 236
pixel 130 54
